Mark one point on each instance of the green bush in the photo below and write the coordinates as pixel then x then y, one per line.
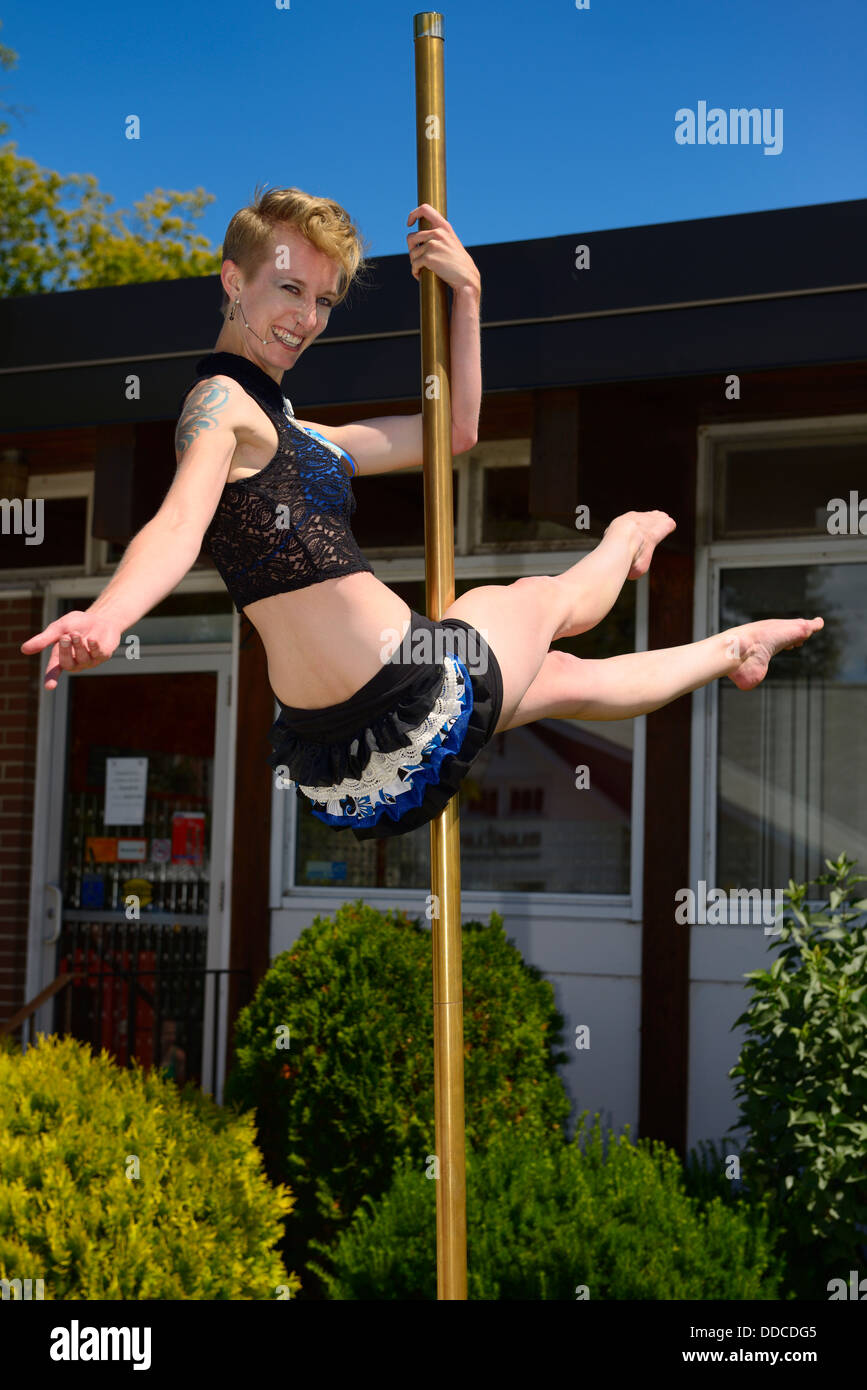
pixel 565 1221
pixel 199 1221
pixel 354 1088
pixel 803 1082
pixel 706 1175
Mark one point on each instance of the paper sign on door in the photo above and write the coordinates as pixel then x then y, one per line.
pixel 125 787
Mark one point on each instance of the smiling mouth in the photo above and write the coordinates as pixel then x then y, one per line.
pixel 288 340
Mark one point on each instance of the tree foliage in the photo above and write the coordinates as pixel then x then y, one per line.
pixel 59 231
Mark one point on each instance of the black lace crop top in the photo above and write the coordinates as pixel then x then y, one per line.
pixel 288 525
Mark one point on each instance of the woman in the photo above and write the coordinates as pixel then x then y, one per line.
pixel 382 710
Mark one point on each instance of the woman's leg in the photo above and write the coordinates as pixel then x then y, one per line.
pixel 621 687
pixel 519 621
pixel 625 552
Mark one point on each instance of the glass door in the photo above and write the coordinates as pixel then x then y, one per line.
pixel 136 852
pixel 791 755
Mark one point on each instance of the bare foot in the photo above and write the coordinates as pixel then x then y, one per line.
pixel 754 644
pixel 654 526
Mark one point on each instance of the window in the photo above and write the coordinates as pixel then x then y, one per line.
pixel 500 474
pixel 792 756
pixel 46 525
pixel 526 801
pixel 390 512
pixel 784 766
pixel 491 496
pixel 546 808
pixel 783 487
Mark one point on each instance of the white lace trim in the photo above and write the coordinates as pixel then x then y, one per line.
pixel 381 772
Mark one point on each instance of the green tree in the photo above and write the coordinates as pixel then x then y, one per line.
pixel 57 231
pixel 8 60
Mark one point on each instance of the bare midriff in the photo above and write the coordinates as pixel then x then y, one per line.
pixel 325 642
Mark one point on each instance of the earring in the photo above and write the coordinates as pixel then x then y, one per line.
pixel 232 312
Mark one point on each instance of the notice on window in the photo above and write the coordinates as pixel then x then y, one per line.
pixel 325 868
pixel 125 789
pixel 188 837
pixel 132 851
pixel 100 849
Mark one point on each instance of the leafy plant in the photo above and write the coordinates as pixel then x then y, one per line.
pixel 705 1173
pixel 354 1087
pixel 57 233
pixel 803 1081
pixel 566 1221
pixel 115 1185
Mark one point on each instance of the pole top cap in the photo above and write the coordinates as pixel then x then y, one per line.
pixel 428 25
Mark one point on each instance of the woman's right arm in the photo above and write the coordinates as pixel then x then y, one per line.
pixel 161 553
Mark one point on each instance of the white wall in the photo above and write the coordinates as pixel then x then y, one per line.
pixel 720 956
pixel 594 966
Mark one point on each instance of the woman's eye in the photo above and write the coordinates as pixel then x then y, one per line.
pixel 327 303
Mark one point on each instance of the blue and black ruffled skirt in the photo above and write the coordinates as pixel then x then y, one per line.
pixel 388 759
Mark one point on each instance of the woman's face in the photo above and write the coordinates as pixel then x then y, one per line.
pixel 289 298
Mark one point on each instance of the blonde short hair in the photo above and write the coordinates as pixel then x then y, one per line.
pixel 322 221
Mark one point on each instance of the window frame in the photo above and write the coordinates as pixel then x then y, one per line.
pixel 757 552
pixel 479 459
pixel 626 907
pixel 469 484
pixel 48 486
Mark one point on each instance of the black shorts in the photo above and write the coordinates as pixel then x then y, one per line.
pixel 388 759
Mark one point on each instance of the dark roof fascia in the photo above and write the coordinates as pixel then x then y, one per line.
pixel 744 292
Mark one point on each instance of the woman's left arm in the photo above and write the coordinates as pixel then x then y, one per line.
pixel 437 248
pixel 396 441
pixel 466 367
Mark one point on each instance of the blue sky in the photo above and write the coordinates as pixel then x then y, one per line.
pixel 558 120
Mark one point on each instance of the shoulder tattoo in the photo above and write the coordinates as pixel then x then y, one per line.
pixel 201 412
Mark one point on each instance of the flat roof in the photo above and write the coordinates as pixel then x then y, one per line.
pixel 746 292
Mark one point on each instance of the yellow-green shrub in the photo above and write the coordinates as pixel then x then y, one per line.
pixel 199 1221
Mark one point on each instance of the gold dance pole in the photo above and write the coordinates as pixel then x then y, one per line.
pixel 445 845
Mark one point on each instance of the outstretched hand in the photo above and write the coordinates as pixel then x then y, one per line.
pixel 79 641
pixel 437 248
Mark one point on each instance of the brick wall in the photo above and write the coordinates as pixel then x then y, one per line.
pixel 20 618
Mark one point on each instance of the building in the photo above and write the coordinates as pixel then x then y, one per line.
pixel 716 369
